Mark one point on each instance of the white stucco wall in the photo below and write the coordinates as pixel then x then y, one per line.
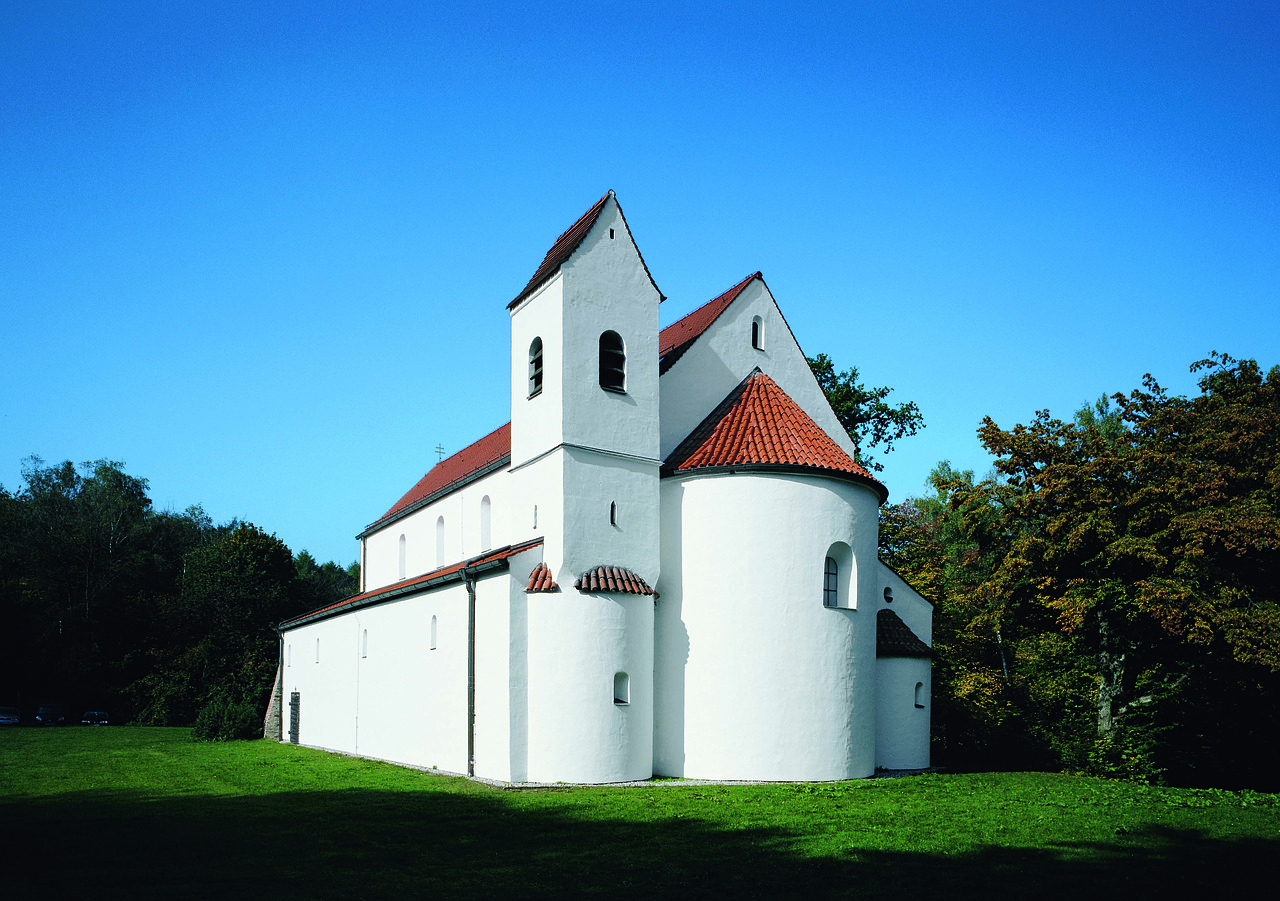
pixel 462 517
pixel 902 727
pixel 405 701
pixel 755 679
pixel 577 643
pixel 723 356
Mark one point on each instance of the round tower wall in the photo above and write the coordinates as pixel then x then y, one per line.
pixel 757 679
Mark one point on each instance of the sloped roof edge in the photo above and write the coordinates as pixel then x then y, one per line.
pixel 570 241
pixel 454 572
pixel 680 335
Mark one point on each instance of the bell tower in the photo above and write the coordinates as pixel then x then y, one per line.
pixel 584 469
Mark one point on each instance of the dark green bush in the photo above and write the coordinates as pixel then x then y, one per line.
pixel 223 719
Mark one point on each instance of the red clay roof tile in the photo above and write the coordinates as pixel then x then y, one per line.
pixel 540 580
pixel 679 336
pixel 894 638
pixel 759 424
pixel 615 579
pixel 453 472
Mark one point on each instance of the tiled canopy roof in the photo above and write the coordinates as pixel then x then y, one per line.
pixel 451 472
pixel 489 560
pixel 567 243
pixel 894 638
pixel 758 424
pixel 613 579
pixel 540 580
pixel 679 336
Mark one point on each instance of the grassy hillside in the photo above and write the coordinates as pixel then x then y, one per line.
pixel 149 811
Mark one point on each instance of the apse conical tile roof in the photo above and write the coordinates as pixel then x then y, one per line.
pixel 759 425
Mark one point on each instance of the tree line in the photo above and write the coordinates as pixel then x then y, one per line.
pixel 1106 599
pixel 152 615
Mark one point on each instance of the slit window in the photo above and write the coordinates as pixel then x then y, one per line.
pixel 757 333
pixel 433 632
pixel 402 556
pixel 613 513
pixel 486 523
pixel 831 583
pixel 535 367
pixel 317 650
pixel 920 695
pixel 613 363
pixel 440 541
pixel 621 688
pixel 364 642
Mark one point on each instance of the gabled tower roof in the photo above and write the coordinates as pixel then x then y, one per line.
pixel 758 426
pixel 570 241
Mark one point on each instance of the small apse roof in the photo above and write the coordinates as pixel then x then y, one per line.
pixel 759 426
pixel 894 638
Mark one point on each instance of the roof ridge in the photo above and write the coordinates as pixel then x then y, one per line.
pixel 680 335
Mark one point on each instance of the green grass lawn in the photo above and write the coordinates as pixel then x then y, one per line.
pixel 147 813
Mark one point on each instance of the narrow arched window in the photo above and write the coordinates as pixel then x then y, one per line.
pixel 364 642
pixel 613 513
pixel 440 541
pixel 433 633
pixel 288 655
pixel 920 695
pixel 613 363
pixel 486 523
pixel 535 367
pixel 317 650
pixel 402 556
pixel 831 584
pixel 757 333
pixel 621 688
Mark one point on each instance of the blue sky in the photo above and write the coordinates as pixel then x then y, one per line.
pixel 261 252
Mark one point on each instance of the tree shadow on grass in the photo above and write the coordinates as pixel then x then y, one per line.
pixel 357 843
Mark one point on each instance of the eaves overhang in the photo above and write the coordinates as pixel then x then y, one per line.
pixel 482 564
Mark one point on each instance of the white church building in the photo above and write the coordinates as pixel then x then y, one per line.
pixel 664 564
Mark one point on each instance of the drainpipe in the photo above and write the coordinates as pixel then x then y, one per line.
pixel 280 681
pixel 471 670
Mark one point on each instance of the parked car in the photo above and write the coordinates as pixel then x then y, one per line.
pixel 8 716
pixel 51 716
pixel 94 718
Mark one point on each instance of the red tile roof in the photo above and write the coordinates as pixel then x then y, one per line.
pixel 540 580
pixel 679 336
pixel 759 425
pixel 424 581
pixel 894 638
pixel 567 243
pixel 611 579
pixel 453 472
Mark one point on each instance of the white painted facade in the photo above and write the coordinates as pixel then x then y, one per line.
pixel 735 669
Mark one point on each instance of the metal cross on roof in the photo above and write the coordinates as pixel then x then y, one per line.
pixel 439 452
